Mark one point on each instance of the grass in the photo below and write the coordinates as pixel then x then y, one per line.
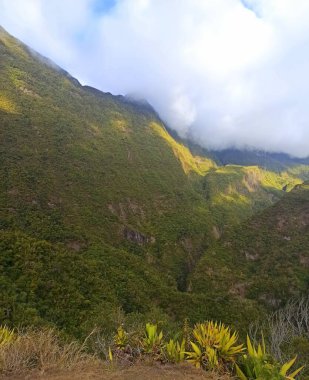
pixel 43 354
pixel 140 353
pixel 42 351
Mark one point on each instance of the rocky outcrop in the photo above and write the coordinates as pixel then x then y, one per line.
pixel 137 237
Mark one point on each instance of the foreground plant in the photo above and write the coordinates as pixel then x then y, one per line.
pixel 258 364
pixel 6 335
pixel 121 338
pixel 214 346
pixel 174 351
pixel 153 341
pixel 39 349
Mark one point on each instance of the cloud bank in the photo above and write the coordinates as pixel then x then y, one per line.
pixel 225 73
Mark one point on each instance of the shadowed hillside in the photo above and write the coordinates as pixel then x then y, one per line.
pixel 265 258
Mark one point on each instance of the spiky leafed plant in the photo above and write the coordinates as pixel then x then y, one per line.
pixel 153 341
pixel 121 338
pixel 214 346
pixel 174 351
pixel 6 335
pixel 257 364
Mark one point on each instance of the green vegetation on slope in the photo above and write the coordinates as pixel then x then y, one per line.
pixel 277 162
pixel 265 258
pixel 101 208
pixel 79 166
pixel 235 192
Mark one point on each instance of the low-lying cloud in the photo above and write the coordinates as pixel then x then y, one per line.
pixel 225 73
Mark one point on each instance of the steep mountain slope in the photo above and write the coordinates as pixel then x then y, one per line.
pixel 101 208
pixel 80 165
pixel 88 171
pixel 234 193
pixel 266 258
pixel 277 162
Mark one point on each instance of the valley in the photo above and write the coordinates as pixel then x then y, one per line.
pixel 107 218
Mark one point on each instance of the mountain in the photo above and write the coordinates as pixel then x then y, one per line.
pixel 102 208
pixel 91 175
pixel 277 162
pixel 266 258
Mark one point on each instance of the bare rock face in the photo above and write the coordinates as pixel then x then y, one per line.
pixel 126 209
pixel 137 237
pixel 252 256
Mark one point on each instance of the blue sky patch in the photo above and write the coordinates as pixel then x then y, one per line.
pixel 103 6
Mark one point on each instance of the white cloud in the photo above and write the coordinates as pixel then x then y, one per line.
pixel 224 72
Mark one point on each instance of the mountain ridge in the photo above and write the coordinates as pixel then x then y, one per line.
pixel 97 194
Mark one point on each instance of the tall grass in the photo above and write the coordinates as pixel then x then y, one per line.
pixel 41 350
pixel 213 347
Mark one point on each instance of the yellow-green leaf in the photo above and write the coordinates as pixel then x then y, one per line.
pixel 287 366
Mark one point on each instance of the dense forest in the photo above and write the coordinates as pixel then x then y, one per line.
pixel 104 212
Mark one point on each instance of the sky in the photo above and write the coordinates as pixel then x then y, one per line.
pixel 224 73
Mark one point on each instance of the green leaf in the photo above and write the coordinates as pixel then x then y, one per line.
pixel 293 374
pixel 287 366
pixel 196 348
pixel 240 373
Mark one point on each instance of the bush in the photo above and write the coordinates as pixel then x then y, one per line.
pixel 258 364
pixel 287 332
pixel 214 346
pixel 174 352
pixel 153 341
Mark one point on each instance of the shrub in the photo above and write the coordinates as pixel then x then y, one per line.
pixel 121 338
pixel 214 346
pixel 174 352
pixel 258 364
pixel 153 341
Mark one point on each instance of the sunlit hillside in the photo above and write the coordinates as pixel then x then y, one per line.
pixel 103 211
